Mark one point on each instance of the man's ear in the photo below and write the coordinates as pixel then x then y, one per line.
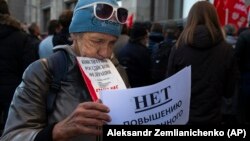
pixel 73 36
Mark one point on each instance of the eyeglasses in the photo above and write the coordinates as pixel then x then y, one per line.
pixel 104 11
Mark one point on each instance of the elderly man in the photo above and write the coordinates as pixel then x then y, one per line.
pixel 95 26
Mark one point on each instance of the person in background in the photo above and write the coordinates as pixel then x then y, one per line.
pixel 15 56
pixel 25 27
pixel 230 106
pixel 161 51
pixel 231 37
pixel 4 9
pixel 242 53
pixel 135 57
pixel 75 116
pixel 122 40
pixel 214 74
pixel 155 36
pixel 63 37
pixel 34 31
pixel 34 38
pixel 172 34
pixel 240 30
pixel 147 25
pixel 46 45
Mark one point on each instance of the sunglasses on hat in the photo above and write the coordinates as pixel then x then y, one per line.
pixel 104 11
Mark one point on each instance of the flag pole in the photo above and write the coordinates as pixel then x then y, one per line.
pixel 226 16
pixel 248 17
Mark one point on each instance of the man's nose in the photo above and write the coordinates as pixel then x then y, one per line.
pixel 105 52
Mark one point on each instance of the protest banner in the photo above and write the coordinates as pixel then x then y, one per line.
pixel 233 12
pixel 164 103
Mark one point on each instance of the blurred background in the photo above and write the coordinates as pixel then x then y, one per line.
pixel 168 12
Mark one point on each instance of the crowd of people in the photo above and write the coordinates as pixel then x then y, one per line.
pixel 219 59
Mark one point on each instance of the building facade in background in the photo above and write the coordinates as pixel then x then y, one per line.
pixel 41 11
pixel 17 9
pixel 154 10
pixel 51 9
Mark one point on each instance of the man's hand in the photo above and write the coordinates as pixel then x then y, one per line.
pixel 84 120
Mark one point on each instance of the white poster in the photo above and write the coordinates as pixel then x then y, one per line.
pixel 100 75
pixel 164 103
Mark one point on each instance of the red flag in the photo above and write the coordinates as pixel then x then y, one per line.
pixel 220 7
pixel 130 21
pixel 237 12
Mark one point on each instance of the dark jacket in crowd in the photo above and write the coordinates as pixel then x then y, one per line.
pixel 62 38
pixel 136 60
pixel 15 56
pixel 34 42
pixel 242 51
pixel 214 74
pixel 154 39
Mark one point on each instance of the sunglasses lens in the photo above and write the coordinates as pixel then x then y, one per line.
pixel 103 11
pixel 122 15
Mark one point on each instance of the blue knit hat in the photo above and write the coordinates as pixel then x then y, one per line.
pixel 84 20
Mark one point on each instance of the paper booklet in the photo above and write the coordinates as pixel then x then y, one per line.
pixel 99 75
